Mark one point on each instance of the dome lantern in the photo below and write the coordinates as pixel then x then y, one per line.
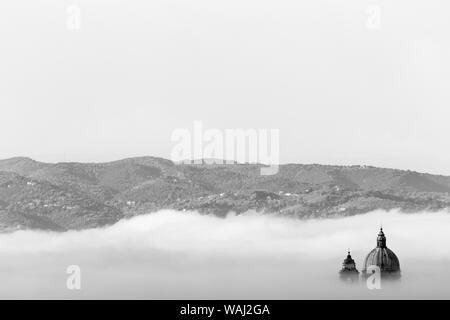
pixel 381 239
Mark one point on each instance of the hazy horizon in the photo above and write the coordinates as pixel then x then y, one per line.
pixel 287 163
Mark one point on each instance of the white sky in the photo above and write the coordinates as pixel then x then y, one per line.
pixel 339 92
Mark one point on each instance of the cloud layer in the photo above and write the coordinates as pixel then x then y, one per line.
pixel 187 255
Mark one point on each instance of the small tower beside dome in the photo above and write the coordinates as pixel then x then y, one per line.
pixel 349 271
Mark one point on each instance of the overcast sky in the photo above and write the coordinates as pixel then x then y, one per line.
pixel 342 86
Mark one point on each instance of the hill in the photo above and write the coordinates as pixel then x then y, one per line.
pixel 64 196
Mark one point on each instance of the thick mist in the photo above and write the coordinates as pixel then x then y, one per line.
pixel 177 255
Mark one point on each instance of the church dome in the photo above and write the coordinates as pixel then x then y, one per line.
pixel 382 257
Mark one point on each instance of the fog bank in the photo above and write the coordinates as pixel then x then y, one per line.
pixel 187 255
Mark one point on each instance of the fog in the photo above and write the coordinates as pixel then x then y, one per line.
pixel 174 255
